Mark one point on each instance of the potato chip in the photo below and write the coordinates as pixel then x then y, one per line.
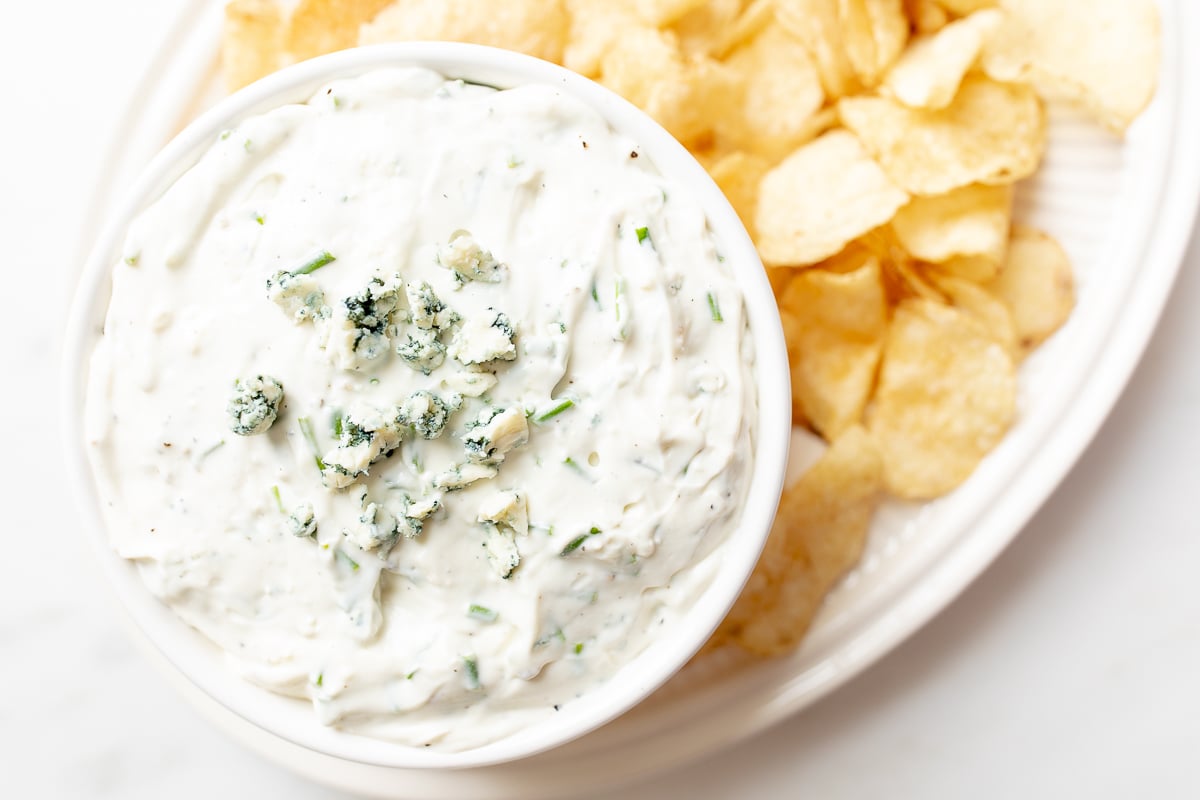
pixel 252 41
pixel 1102 54
pixel 926 15
pixel 710 29
pixel 817 25
pixel 977 269
pixel 1037 286
pixel 821 197
pixel 738 174
pixel 888 31
pixel 835 324
pixel 535 27
pixel 930 71
pixel 991 133
pixel 971 221
pixel 661 13
pixel 946 397
pixel 594 25
pixel 780 93
pixel 819 534
pixel 322 26
pixel 983 306
pixel 647 68
pixel 963 7
pixel 902 280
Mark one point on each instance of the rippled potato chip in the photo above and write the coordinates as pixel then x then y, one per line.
pixel 252 41
pixel 322 26
pixel 972 268
pixel 739 174
pixel 821 197
pixel 991 133
pixel 1101 54
pixel 876 32
pixel 983 306
pixel 1037 285
pixel 684 94
pixel 816 24
pixel 706 28
pixel 818 535
pixel 946 397
pixel 535 27
pixel 963 7
pixel 932 68
pixel 971 221
pixel 926 15
pixel 780 93
pixel 835 324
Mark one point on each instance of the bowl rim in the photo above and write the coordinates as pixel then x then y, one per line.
pixel 186 649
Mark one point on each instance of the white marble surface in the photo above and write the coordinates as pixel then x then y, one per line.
pixel 1069 670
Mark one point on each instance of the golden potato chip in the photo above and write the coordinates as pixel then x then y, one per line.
pixel 834 325
pixel 738 174
pixel 1102 54
pixel 971 221
pixel 875 34
pixel 926 16
pixel 251 42
pixel 902 280
pixel 817 25
pixel 709 28
pixel 963 7
pixel 1037 286
pixel 946 397
pixel 780 93
pixel 322 26
pixel 594 25
pixel 932 68
pixel 991 133
pixel 819 534
pixel 977 269
pixel 661 13
pixel 535 27
pixel 646 67
pixel 983 306
pixel 824 195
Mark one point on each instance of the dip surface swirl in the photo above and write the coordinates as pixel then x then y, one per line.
pixel 526 577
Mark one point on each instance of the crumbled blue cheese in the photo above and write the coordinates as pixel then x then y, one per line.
pixel 507 510
pixel 425 413
pixel 459 476
pixel 494 433
pixel 361 332
pixel 501 549
pixel 300 296
pixel 483 339
pixel 302 521
pixel 367 436
pixel 470 384
pixel 376 528
pixel 254 404
pixel 422 350
pixel 425 308
pixel 468 261
pixel 423 507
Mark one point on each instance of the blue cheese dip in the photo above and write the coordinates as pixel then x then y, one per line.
pixel 429 403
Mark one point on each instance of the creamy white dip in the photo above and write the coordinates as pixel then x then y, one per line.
pixel 626 388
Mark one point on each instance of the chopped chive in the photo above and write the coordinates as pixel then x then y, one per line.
pixel 514 162
pixel 260 219
pixel 481 613
pixel 374 381
pixel 320 679
pixel 278 499
pixel 595 295
pixel 574 545
pixel 212 450
pixel 322 258
pixel 409 676
pixel 337 422
pixel 246 145
pixel 558 409
pixel 558 634
pixel 570 462
pixel 617 297
pixel 643 234
pixel 472 672
pixel 306 429
pixel 594 530
pixel 578 648
pixel 337 101
pixel 225 134
pixel 714 308
pixel 133 259
pixel 350 562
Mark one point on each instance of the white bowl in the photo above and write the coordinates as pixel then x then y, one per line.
pixel 200 661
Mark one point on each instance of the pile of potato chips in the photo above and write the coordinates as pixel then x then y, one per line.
pixel 870 147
